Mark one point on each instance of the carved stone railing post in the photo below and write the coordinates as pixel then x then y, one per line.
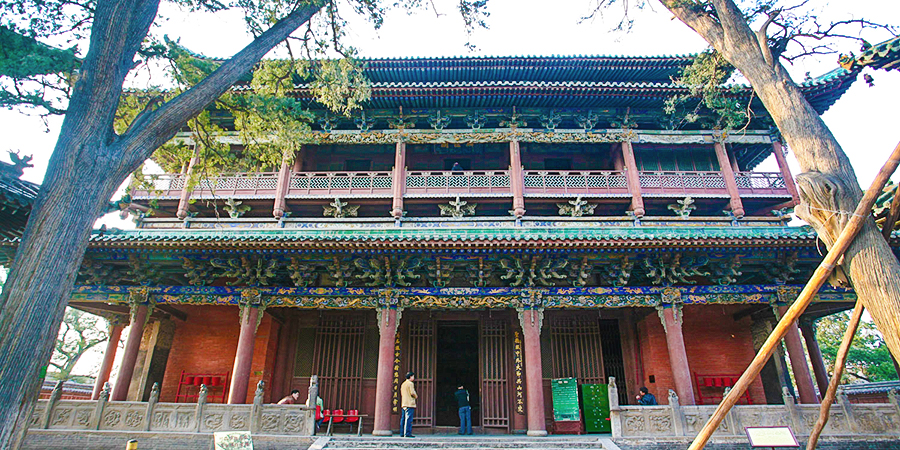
pixel 615 411
pixel 101 405
pixel 256 409
pixel 847 407
pixel 792 409
pixel 55 395
pixel 677 413
pixel 201 402
pixel 151 404
pixel 894 399
pixel 313 391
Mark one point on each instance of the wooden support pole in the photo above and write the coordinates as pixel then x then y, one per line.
pixel 109 356
pixel 634 181
pixel 243 358
pixel 516 179
pixel 737 207
pixel 839 361
pixel 778 151
pixel 398 180
pixel 129 358
pixel 808 329
pixel 863 211
pixel 387 329
pixel 892 216
pixel 184 201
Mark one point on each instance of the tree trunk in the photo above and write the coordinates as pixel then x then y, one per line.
pixel 829 190
pixel 43 274
pixel 88 164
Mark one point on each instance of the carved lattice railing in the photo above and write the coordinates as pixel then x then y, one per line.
pixel 593 182
pixel 162 185
pixel 761 183
pixel 346 184
pixel 462 182
pixel 682 183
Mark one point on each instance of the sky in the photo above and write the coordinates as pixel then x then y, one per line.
pixel 864 120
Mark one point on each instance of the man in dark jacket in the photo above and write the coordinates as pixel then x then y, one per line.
pixel 645 398
pixel 465 411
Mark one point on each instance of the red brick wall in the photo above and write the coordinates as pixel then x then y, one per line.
pixel 715 345
pixel 207 342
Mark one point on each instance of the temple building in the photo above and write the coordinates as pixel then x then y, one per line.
pixel 495 222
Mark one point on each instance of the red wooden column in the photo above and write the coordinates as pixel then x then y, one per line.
pixel 671 316
pixel 737 207
pixel 115 333
pixel 140 310
pixel 516 179
pixel 281 384
pixel 778 151
pixel 634 180
pixel 388 320
pixel 792 341
pixel 243 359
pixel 815 355
pixel 398 181
pixel 184 202
pixel 531 319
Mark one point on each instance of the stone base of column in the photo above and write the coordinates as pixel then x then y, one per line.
pixel 536 433
pixel 382 433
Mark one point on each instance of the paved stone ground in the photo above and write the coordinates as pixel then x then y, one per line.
pixel 824 444
pixel 115 440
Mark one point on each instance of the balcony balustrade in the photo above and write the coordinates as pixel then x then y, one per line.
pixel 760 183
pixel 678 184
pixel 574 182
pixel 469 182
pixel 336 184
pixel 537 183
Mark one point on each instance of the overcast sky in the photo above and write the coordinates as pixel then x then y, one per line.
pixel 865 120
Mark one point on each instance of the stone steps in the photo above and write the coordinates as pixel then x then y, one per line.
pixel 465 443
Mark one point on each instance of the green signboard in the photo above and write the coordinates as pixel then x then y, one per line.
pixel 565 399
pixel 595 398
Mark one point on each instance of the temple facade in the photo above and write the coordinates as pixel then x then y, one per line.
pixel 491 222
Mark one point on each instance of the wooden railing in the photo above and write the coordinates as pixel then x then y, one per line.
pixel 470 182
pixel 331 184
pixel 576 182
pixel 458 182
pixel 761 183
pixel 682 183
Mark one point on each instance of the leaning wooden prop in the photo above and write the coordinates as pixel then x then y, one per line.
pixel 863 212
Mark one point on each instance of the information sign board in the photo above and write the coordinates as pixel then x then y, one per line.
pixel 565 399
pixel 771 437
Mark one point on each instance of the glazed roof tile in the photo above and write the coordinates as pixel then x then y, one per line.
pixel 405 237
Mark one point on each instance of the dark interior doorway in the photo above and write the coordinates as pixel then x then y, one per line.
pixel 457 363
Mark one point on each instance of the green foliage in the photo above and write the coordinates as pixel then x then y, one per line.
pixel 707 95
pixel 31 69
pixel 868 359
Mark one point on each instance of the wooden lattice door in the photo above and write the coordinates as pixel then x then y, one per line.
pixel 421 360
pixel 338 360
pixel 494 374
pixel 575 348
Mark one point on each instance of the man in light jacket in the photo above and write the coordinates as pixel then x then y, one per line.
pixel 408 403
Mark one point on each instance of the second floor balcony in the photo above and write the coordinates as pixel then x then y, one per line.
pixel 476 183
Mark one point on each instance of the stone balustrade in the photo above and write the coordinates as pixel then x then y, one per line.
pixel 200 417
pixel 674 420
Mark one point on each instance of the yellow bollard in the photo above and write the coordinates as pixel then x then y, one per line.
pixel 131 445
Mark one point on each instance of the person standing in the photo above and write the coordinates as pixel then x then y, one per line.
pixel 408 403
pixel 465 410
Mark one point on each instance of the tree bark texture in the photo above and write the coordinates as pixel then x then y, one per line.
pixel 828 188
pixel 88 164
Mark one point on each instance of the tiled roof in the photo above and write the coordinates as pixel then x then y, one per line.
pixel 16 198
pixel 568 237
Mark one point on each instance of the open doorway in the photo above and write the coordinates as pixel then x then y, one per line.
pixel 457 363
